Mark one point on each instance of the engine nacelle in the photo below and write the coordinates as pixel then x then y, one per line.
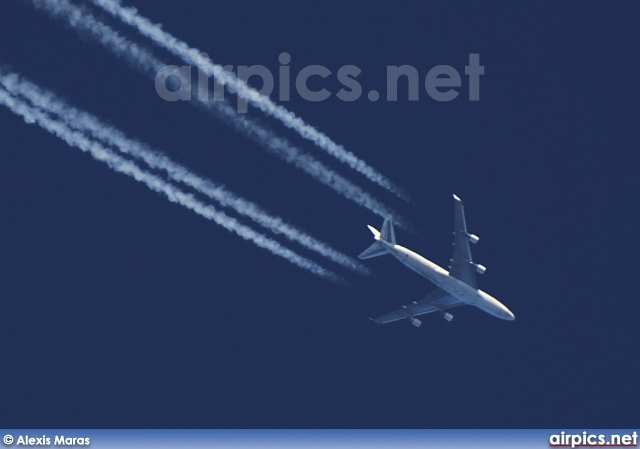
pixel 447 316
pixel 473 238
pixel 416 322
pixel 480 268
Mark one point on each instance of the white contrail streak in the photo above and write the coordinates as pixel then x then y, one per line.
pixel 308 164
pixel 193 56
pixel 82 121
pixel 175 195
pixel 141 59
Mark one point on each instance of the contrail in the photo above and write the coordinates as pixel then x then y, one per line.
pixel 175 195
pixel 179 48
pixel 142 60
pixel 281 147
pixel 85 122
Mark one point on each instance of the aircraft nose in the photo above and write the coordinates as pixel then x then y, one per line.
pixel 510 315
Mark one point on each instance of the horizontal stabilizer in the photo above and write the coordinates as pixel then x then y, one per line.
pixel 374 231
pixel 375 250
pixel 378 248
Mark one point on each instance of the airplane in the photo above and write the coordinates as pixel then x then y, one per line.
pixel 456 287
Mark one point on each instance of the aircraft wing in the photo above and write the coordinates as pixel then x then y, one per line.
pixel 437 300
pixel 462 267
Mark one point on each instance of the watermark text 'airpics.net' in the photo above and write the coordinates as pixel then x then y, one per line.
pixel 441 83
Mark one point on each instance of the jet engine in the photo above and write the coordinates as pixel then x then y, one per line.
pixel 447 316
pixel 416 322
pixel 480 268
pixel 473 238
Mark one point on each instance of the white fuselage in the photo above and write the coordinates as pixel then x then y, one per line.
pixel 440 277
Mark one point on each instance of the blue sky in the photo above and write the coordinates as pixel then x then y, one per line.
pixel 121 309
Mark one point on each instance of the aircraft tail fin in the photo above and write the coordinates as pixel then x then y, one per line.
pixel 388 234
pixel 378 249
